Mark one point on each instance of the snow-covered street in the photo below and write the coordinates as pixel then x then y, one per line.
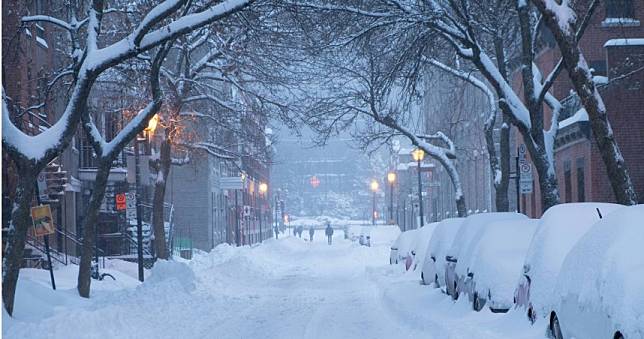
pixel 286 288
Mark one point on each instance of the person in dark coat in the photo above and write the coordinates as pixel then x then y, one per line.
pixel 329 233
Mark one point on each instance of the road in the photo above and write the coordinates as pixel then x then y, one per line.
pixel 287 288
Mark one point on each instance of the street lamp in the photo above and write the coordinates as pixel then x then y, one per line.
pixel 418 154
pixel 391 177
pixel 263 188
pixel 374 188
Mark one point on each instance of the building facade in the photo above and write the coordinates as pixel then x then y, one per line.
pixel 613 46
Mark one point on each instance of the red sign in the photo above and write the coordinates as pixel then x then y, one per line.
pixel 121 202
pixel 315 182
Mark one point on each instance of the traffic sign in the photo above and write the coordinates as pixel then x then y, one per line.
pixel 121 201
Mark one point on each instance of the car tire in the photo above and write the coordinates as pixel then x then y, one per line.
pixel 477 303
pixel 618 335
pixel 555 327
pixel 455 292
pixel 532 316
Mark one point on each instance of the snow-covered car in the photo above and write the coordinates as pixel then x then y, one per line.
pixel 600 289
pixel 496 262
pixel 421 243
pixel 433 270
pixel 560 227
pixel 402 247
pixel 457 255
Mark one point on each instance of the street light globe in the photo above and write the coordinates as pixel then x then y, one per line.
pixel 152 124
pixel 391 177
pixel 374 185
pixel 418 154
pixel 263 188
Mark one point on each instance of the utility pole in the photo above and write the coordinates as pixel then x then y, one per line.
pixel 139 221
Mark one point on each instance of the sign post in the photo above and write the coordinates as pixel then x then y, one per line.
pixel 44 225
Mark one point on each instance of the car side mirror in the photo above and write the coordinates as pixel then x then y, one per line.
pixel 526 268
pixel 433 258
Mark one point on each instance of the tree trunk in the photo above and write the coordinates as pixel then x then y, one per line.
pixel 582 80
pixel 547 179
pixel 21 220
pixel 90 224
pixel 502 200
pixel 159 194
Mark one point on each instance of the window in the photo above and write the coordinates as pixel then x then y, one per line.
pixel 619 9
pixel 567 182
pixel 599 67
pixel 581 180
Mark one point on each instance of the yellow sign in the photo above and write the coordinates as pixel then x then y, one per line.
pixel 43 222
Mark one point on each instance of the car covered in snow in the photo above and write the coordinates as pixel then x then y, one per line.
pixel 433 269
pixel 402 247
pixel 560 227
pixel 600 289
pixel 421 243
pixel 496 261
pixel 468 234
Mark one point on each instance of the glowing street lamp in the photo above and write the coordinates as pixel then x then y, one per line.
pixel 418 154
pixel 391 177
pixel 374 187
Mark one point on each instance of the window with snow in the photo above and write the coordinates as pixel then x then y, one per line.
pixel 619 9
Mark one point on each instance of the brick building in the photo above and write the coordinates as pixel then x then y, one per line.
pixel 613 46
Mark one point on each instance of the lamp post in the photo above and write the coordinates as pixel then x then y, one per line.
pixel 374 188
pixel 263 188
pixel 418 155
pixel 391 177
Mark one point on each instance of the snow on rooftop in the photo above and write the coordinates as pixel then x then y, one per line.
pixel 580 115
pixel 625 42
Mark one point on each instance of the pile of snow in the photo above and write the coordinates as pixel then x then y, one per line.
pixel 441 241
pixel 178 273
pixel 560 227
pixel 498 258
pixel 469 234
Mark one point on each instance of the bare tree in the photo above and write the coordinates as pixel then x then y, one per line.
pixel 562 21
pixel 88 60
pixel 361 89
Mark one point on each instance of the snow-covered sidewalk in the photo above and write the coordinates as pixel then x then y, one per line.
pixel 286 288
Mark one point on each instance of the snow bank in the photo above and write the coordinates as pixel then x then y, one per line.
pixel 177 273
pixel 604 271
pixel 559 229
pixel 498 257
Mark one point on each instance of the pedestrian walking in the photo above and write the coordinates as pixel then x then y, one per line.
pixel 311 232
pixel 277 231
pixel 329 232
pixel 300 229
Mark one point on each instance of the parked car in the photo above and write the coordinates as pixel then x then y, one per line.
pixel 421 243
pixel 600 289
pixel 401 248
pixel 560 227
pixel 433 269
pixel 496 261
pixel 461 248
